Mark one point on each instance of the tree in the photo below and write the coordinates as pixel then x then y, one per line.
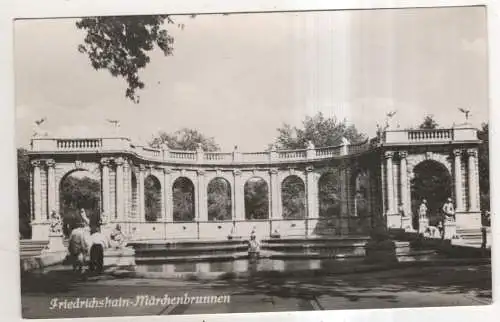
pixel 484 167
pixel 121 45
pixel 77 193
pixel 23 190
pixel 323 132
pixel 219 199
pixel 429 123
pixel 256 199
pixel 183 192
pixel 318 129
pixel 152 198
pixel 184 139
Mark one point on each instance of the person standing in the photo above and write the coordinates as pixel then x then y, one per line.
pixel 99 243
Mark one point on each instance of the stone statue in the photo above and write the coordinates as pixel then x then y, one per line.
pixel 345 141
pixel 310 145
pixel 55 223
pixel 37 130
pixel 449 210
pixel 199 147
pixel 422 210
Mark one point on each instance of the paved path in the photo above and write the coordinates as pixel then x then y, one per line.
pixel 408 287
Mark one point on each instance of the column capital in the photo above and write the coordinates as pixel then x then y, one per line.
pixel 119 161
pixel 36 163
pixel 273 171
pixel 167 170
pixel 457 152
pixel 403 154
pixel 201 172
pixel 237 172
pixel 388 154
pixel 309 168
pixel 142 167
pixel 472 152
pixel 50 163
pixel 105 162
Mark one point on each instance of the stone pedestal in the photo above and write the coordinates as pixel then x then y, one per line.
pixel 468 220
pixel 423 223
pixel 394 221
pixel 56 244
pixel 406 223
pixel 450 230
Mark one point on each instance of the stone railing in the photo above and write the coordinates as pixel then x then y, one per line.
pixel 458 134
pixel 123 145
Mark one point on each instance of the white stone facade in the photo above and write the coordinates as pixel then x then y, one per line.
pixel 385 166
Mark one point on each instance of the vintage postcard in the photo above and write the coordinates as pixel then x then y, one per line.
pixel 253 162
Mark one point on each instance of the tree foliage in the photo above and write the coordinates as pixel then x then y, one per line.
pixel 122 45
pixel 183 199
pixel 152 198
pixel 77 193
pixel 219 200
pixel 256 199
pixel 429 123
pixel 432 182
pixel 23 191
pixel 293 196
pixel 320 130
pixel 484 167
pixel 184 139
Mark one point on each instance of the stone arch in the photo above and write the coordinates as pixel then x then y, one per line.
pixel 78 189
pixel 293 197
pixel 183 198
pixel 152 198
pixel 361 193
pixel 430 180
pixel 256 198
pixel 329 193
pixel 219 199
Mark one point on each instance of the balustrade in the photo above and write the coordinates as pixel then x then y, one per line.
pixel 79 144
pixel 430 135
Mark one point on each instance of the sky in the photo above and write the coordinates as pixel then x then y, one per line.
pixel 238 78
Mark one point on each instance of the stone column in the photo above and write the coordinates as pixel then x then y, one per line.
pixel 51 186
pixel 275 195
pixel 390 182
pixel 140 183
pixel 239 196
pixel 473 182
pixel 167 196
pixel 105 189
pixel 393 218
pixel 312 194
pixel 406 222
pixel 312 201
pixel 119 188
pixel 459 204
pixel 202 198
pixel 343 228
pixel 37 191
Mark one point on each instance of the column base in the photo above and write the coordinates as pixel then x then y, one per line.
pixel 56 244
pixel 40 230
pixel 468 220
pixel 423 224
pixel 450 230
pixel 393 221
pixel 406 223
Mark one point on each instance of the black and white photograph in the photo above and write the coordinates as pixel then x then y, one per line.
pixel 178 164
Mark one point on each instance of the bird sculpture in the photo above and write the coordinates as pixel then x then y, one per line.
pixel 40 121
pixel 466 113
pixel 116 123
